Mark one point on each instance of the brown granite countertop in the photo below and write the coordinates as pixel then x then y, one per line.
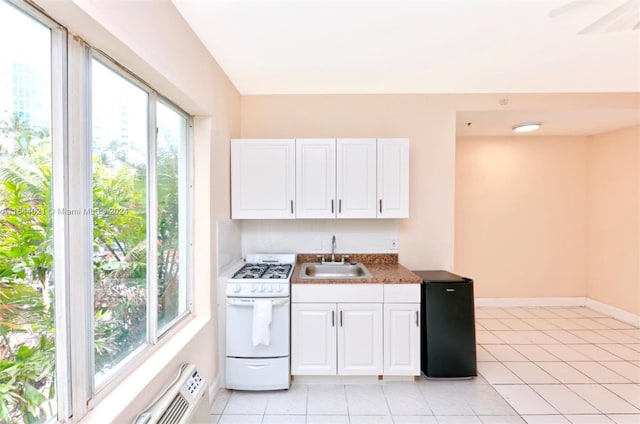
pixel 384 269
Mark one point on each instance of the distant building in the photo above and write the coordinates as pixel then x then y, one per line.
pixel 25 91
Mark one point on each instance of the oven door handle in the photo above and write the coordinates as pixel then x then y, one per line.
pixel 249 302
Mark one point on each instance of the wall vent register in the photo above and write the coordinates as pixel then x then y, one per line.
pixel 184 400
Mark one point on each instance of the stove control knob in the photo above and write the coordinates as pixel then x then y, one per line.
pixel 253 288
pixel 237 288
pixel 279 288
pixel 262 288
pixel 270 289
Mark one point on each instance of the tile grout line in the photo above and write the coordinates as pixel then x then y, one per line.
pixel 346 401
pixel 604 388
pixel 386 401
pixel 560 382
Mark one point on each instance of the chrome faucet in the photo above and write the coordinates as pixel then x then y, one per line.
pixel 333 248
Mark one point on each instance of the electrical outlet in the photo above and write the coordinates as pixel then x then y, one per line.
pixel 393 245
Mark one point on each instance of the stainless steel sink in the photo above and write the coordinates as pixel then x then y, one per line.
pixel 337 271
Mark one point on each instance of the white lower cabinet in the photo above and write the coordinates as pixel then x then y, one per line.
pixel 313 338
pixel 355 329
pixel 360 339
pixel 401 339
pixel 336 338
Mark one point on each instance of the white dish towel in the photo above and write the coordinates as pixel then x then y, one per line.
pixel 261 333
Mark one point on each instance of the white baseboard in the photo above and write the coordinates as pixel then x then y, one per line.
pixel 530 302
pixel 213 389
pixel 612 311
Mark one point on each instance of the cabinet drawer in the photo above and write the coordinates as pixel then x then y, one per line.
pixel 354 293
pixel 252 373
pixel 402 293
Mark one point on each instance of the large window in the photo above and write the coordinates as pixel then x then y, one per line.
pixel 94 208
pixel 172 215
pixel 27 326
pixel 120 216
pixel 139 195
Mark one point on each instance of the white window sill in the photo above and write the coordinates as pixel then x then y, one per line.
pixel 121 400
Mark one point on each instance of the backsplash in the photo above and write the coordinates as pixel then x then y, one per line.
pixel 366 258
pixel 229 239
pixel 314 236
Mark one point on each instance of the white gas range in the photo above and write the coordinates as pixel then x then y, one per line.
pixel 258 350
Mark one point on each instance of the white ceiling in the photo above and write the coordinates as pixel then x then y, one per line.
pixel 559 122
pixel 423 46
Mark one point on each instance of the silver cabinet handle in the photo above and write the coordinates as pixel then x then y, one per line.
pixel 292 207
pixel 417 318
pixel 340 318
pixel 333 318
pixel 340 206
pixel 380 205
pixel 331 205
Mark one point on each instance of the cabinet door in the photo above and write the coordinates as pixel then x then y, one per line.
pixel 393 178
pixel 313 338
pixel 402 339
pixel 356 178
pixel 262 179
pixel 316 178
pixel 360 338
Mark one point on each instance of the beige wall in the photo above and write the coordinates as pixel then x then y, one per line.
pixel 426 238
pixel 151 39
pixel 551 216
pixel 614 219
pixel 520 215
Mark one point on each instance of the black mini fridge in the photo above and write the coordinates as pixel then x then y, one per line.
pixel 448 338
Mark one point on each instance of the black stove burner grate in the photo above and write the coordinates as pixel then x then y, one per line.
pixel 279 271
pixel 250 271
pixel 264 271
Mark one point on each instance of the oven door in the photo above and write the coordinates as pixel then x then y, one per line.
pixel 239 328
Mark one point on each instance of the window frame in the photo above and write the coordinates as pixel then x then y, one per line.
pixel 71 182
pixel 152 221
pixel 100 389
pixel 186 220
pixel 59 184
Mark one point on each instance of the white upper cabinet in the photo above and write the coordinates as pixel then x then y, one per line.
pixel 262 178
pixel 356 177
pixel 316 178
pixel 393 178
pixel 320 178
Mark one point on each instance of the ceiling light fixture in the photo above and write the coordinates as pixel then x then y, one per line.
pixel 527 126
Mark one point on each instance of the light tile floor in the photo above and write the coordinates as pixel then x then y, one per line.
pixel 536 365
